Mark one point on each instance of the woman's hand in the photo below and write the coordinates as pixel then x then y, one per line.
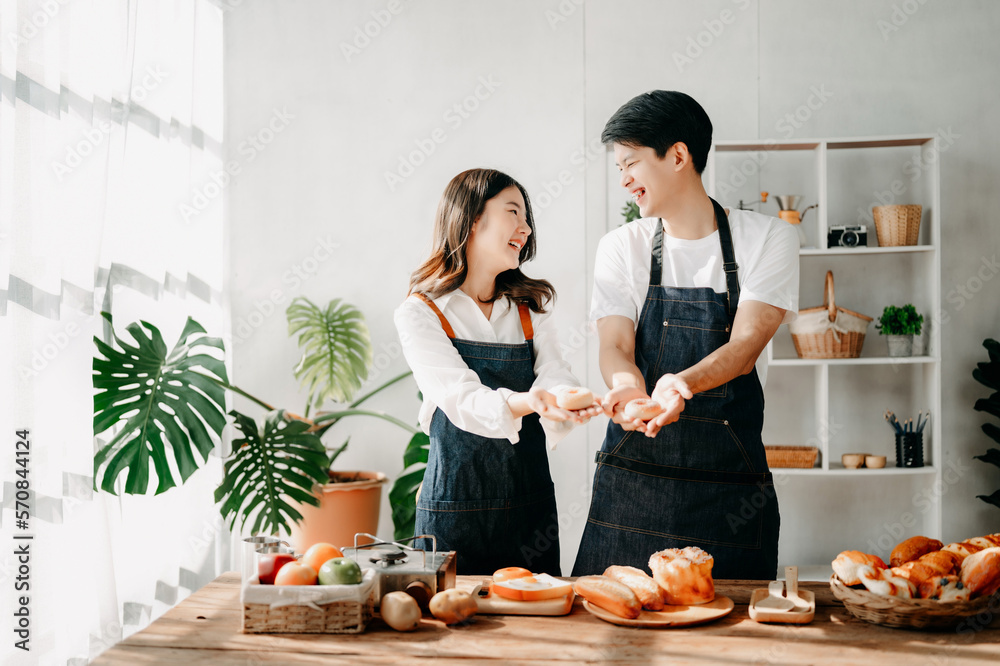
pixel 614 404
pixel 543 403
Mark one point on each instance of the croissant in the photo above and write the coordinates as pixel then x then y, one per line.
pixel 885 584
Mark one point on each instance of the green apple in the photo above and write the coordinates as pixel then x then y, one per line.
pixel 340 571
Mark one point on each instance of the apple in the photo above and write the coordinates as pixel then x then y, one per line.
pixel 340 571
pixel 269 565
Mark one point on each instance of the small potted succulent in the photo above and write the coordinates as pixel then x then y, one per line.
pixel 899 325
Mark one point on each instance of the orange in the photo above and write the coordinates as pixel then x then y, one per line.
pixel 319 553
pixel 295 573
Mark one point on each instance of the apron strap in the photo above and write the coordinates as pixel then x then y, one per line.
pixel 448 330
pixel 525 312
pixel 729 264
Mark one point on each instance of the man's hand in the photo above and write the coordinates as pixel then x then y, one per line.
pixel 614 404
pixel 542 403
pixel 670 392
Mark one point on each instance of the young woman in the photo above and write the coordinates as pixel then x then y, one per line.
pixel 476 333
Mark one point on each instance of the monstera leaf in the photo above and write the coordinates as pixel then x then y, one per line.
pixel 403 496
pixel 336 349
pixel 164 402
pixel 270 464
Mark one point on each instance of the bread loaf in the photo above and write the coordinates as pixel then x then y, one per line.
pixel 884 583
pixel 944 588
pixel 911 549
pixel 981 572
pixel 850 563
pixel 609 594
pixel 650 594
pixel 685 574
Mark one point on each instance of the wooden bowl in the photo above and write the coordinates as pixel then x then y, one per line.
pixel 875 462
pixel 853 460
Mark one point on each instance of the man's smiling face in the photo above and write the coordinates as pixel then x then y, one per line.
pixel 647 177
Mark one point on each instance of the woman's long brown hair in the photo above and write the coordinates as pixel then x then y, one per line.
pixel 461 205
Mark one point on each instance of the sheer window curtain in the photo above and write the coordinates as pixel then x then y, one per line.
pixel 110 127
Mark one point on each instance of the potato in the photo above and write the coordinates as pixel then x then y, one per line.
pixel 400 611
pixel 452 606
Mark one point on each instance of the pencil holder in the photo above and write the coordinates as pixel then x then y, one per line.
pixel 910 449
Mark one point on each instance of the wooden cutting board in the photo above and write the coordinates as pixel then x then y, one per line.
pixel 492 604
pixel 671 616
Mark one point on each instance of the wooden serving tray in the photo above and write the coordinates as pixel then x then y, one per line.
pixel 775 616
pixel 670 616
pixel 493 604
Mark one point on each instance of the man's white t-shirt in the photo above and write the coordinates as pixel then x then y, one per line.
pixel 766 248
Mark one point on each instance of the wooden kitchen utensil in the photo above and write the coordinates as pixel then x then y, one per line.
pixel 493 604
pixel 800 608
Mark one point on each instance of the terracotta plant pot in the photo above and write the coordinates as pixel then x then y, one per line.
pixel 348 505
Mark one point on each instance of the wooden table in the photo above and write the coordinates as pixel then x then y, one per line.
pixel 205 628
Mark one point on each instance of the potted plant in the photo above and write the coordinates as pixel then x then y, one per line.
pixel 165 405
pixel 899 325
pixel 988 374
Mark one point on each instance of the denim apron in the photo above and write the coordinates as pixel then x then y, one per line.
pixel 491 501
pixel 703 480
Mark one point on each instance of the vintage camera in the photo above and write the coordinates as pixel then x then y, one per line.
pixel 400 566
pixel 847 236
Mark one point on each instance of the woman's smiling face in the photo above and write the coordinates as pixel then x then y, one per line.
pixel 500 233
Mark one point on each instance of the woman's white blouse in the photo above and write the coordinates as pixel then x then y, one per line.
pixel 449 384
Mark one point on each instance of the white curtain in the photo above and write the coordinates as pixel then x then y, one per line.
pixel 110 131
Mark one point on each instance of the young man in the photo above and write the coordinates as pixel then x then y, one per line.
pixel 685 301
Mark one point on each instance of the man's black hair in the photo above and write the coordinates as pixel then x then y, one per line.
pixel 659 119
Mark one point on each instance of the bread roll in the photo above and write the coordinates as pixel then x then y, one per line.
pixel 981 572
pixel 650 594
pixel 962 549
pixel 911 549
pixel 575 398
pixel 944 588
pixel 850 563
pixel 883 583
pixel 609 594
pixel 930 565
pixel 988 541
pixel 685 574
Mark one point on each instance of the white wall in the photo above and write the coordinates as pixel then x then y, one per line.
pixel 558 70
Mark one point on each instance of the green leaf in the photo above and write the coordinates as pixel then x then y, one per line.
pixel 993 431
pixel 988 374
pixel 631 212
pixel 992 456
pixel 993 499
pixel 162 403
pixel 336 349
pixel 900 320
pixel 989 405
pixel 271 465
pixel 993 347
pixel 337 451
pixel 403 495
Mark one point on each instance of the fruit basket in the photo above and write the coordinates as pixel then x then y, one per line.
pixel 906 613
pixel 308 609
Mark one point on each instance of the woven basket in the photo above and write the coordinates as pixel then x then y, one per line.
pixel 906 613
pixel 829 331
pixel 803 457
pixel 897 225
pixel 308 609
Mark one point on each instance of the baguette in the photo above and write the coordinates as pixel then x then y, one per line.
pixel 610 595
pixel 911 549
pixel 650 594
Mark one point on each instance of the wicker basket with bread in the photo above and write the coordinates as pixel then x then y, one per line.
pixel 927 585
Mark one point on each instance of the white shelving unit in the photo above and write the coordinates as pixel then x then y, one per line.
pixel 837 405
